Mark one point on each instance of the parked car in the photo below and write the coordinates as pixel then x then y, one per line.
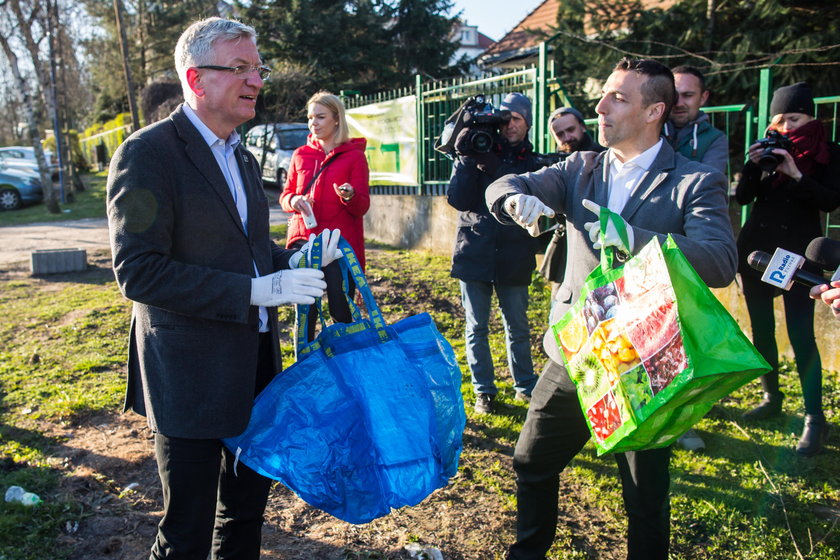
pixel 19 187
pixel 273 145
pixel 24 157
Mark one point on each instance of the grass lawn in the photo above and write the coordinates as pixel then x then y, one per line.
pixel 89 203
pixel 748 496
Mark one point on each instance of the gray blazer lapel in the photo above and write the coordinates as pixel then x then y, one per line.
pixel 600 180
pixel 652 178
pixel 202 158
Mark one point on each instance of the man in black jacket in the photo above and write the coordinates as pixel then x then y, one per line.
pixel 491 256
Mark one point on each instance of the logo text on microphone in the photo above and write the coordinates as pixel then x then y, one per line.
pixel 783 265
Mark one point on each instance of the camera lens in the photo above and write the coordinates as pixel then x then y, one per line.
pixel 768 161
pixel 481 141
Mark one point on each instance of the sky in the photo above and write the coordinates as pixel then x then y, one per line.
pixel 494 18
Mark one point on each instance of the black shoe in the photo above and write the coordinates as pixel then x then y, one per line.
pixel 484 403
pixel 769 407
pixel 813 436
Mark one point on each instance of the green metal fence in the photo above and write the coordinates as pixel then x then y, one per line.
pixel 742 123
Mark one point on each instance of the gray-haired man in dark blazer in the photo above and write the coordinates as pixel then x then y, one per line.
pixel 657 192
pixel 191 248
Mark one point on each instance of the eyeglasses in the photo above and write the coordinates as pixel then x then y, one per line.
pixel 263 71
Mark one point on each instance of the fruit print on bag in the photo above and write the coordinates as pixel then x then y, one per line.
pixel 604 417
pixel 651 332
pixel 601 304
pixel 572 336
pixel 664 366
pixel 636 385
pixel 613 349
pixel 589 376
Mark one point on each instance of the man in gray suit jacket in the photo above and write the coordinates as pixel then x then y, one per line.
pixel 657 192
pixel 191 248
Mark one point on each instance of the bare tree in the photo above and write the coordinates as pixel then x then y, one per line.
pixel 19 26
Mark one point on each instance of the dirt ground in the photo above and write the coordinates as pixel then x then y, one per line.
pixel 110 472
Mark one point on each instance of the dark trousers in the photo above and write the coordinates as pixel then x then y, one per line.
pixel 207 507
pixel 799 318
pixel 554 432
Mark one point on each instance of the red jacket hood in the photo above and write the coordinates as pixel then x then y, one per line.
pixel 360 144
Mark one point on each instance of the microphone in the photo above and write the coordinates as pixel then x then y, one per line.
pixel 783 269
pixel 826 253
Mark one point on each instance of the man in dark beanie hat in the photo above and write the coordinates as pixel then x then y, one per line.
pixel 518 103
pixel 493 257
pixel 797 98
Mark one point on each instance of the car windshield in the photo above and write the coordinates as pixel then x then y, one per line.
pixel 293 138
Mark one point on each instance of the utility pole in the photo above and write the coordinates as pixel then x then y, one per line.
pixel 52 25
pixel 129 82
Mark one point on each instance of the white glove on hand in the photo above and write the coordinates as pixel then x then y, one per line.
pixel 295 286
pixel 611 237
pixel 525 210
pixel 330 253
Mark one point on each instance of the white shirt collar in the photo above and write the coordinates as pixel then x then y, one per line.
pixel 643 160
pixel 208 135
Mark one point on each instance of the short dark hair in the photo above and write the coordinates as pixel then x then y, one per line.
pixel 686 69
pixel 659 86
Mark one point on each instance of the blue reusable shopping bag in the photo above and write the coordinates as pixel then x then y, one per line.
pixel 369 418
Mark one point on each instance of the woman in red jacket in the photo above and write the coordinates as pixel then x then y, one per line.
pixel 327 188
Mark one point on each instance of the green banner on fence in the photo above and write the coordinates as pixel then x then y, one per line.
pixel 390 128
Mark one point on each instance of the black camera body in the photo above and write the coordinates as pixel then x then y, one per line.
pixel 545 160
pixel 768 161
pixel 483 121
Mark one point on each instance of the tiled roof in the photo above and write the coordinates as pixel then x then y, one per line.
pixel 523 40
pixel 484 41
pixel 542 18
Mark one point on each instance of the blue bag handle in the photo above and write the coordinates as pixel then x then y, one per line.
pixel 350 267
pixel 608 257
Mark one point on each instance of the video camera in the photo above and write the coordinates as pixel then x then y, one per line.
pixel 481 118
pixel 768 161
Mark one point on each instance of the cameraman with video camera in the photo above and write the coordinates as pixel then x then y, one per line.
pixel 790 177
pixel 488 255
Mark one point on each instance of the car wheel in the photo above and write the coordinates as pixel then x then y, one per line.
pixel 280 179
pixel 9 199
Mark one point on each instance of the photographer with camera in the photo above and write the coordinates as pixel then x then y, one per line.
pixel 488 255
pixel 790 177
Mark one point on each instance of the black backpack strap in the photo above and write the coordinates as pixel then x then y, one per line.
pixel 315 177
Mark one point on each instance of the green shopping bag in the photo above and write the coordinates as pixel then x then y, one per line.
pixel 650 348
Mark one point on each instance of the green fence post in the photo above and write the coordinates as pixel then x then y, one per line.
pixel 749 138
pixel 421 132
pixel 540 101
pixel 765 84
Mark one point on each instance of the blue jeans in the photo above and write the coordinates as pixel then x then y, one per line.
pixel 476 298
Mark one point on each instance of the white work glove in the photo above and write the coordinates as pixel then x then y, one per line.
pixel 526 210
pixel 611 237
pixel 295 286
pixel 330 253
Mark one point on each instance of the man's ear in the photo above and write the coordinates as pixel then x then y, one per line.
pixel 655 111
pixel 704 97
pixel 195 82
